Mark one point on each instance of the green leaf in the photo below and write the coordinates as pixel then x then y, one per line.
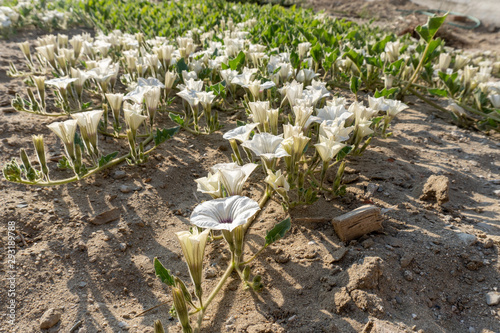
pixel 176 118
pixel 385 93
pixel 238 62
pixel 343 153
pixel 355 84
pixel 163 273
pixel 429 30
pixel 317 53
pixel 165 134
pixel 181 66
pixel 278 231
pixel 379 47
pixel 219 90
pixel 105 159
pixel 438 92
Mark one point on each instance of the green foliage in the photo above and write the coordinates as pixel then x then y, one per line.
pixel 165 134
pixel 429 30
pixel 278 231
pixel 163 273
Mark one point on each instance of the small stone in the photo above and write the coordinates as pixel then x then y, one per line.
pixel 22 205
pixel 50 318
pixel 436 189
pixel 106 217
pixel 408 275
pixel 123 325
pixel 414 316
pixel 82 284
pixel 497 193
pixel 122 247
pixel 488 243
pixel 119 174
pixel 125 189
pixel 493 298
pixel 467 239
pixel 210 273
pixel 368 243
pixel 406 260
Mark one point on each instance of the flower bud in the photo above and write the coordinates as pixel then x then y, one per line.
pixel 159 327
pixel 25 48
pixel 181 309
pixel 30 172
pixel 40 153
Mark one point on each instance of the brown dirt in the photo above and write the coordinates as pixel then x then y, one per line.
pixel 421 273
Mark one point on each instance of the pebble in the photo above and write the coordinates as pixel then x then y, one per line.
pixel 408 275
pixel 22 205
pixel 50 318
pixel 497 193
pixel 123 325
pixel 493 298
pixel 119 174
pixel 122 247
pixel 210 273
pixel 82 284
pixel 467 239
pixel 125 189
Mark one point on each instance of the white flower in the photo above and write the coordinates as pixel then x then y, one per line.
pixel 240 133
pixel 193 248
pixel 495 100
pixel 456 109
pixel 294 91
pixel 337 131
pixel 328 148
pixel 259 111
pixel 290 130
pixel 170 79
pixel 149 82
pixel 395 107
pixel 133 116
pixel 392 50
pixel 137 95
pixel 278 182
pixel 210 185
pixel 306 75
pixel 364 128
pixel 205 98
pixel 266 145
pixel 225 213
pixel 88 122
pixel 189 96
pixel 303 48
pixel 152 99
pixel 66 132
pixel 115 101
pixel 379 104
pixel 244 78
pixel 233 176
pixel 302 114
pixel 256 87
pixel 61 83
pixel 337 113
pixel 444 62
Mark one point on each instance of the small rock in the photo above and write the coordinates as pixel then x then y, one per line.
pixel 122 247
pixel 493 298
pixel 125 189
pixel 119 174
pixel 22 205
pixel 414 316
pixel 210 273
pixel 106 217
pixel 406 260
pixel 436 189
pixel 467 239
pixel 488 243
pixel 282 258
pixel 50 318
pixel 408 275
pixel 497 193
pixel 82 284
pixel 368 243
pixel 123 325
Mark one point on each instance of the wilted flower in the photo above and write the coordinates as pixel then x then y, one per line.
pixel 210 185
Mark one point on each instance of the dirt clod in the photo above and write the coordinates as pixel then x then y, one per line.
pixel 436 189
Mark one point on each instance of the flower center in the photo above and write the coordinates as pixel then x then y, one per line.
pixel 228 220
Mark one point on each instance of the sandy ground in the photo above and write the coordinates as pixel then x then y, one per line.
pixel 428 270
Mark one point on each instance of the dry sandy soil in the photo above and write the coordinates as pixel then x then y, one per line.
pixel 428 270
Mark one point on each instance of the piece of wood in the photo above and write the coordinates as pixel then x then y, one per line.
pixel 358 222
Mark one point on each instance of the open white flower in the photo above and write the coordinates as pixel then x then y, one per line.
pixel 225 213
pixel 279 183
pixel 88 122
pixel 233 176
pixel 240 133
pixel 379 104
pixel 266 145
pixel 60 83
pixel 193 248
pixel 255 87
pixel 306 75
pixel 395 107
pixel 328 148
pixel 205 98
pixel 115 101
pixel 149 82
pixel 495 100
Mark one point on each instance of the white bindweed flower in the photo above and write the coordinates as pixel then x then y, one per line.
pixel 210 185
pixel 240 133
pixel 279 183
pixel 133 116
pixel 444 62
pixel 205 98
pixel 392 50
pixel 255 87
pixel 379 104
pixel 224 214
pixel 189 96
pixel 149 82
pixel 328 148
pixel 303 48
pixel 266 146
pixel 193 248
pixel 66 132
pixel 395 107
pixel 115 102
pixel 495 100
pixel 302 114
pixel 334 130
pixel 306 75
pixel 61 83
pixel 233 176
pixel 259 113
pixel 170 79
pixel 88 122
pixel 294 91
pixel 364 128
